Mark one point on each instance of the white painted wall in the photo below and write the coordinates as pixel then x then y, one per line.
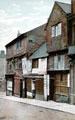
pixel 26 66
pixel 42 66
pixel 68 83
pixel 46 86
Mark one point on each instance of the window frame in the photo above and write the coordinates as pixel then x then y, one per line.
pixel 35 63
pixel 56 29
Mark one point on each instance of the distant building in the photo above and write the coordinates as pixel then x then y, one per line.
pixel 2 70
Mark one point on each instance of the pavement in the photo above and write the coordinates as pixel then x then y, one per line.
pixel 63 107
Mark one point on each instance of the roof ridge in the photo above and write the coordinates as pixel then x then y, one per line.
pixel 62 2
pixel 34 28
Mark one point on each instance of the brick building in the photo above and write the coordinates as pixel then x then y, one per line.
pixel 57 47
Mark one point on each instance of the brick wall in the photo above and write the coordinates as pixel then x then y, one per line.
pixel 61 41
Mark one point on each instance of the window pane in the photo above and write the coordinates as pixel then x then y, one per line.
pixel 55 62
pixel 53 31
pixel 58 29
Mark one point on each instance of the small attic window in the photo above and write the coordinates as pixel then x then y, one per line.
pixel 31 41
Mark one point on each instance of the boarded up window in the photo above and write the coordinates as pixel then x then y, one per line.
pixel 59 62
pixel 35 63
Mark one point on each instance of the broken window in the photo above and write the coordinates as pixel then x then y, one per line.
pixel 56 30
pixel 35 63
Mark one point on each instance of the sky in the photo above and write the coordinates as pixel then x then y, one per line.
pixel 22 15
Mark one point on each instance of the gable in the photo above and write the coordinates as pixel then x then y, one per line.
pixel 56 15
pixel 59 11
pixel 65 7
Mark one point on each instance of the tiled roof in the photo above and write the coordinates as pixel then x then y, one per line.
pixel 66 7
pixel 41 52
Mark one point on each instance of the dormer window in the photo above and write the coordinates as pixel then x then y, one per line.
pixel 31 41
pixel 56 30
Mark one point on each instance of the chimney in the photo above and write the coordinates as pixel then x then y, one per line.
pixel 18 34
pixel 73 6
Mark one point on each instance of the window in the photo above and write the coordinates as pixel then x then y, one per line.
pixel 59 62
pixel 10 65
pixel 20 64
pixel 31 41
pixel 53 31
pixel 56 30
pixel 18 45
pixel 9 49
pixel 35 63
pixel 9 85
